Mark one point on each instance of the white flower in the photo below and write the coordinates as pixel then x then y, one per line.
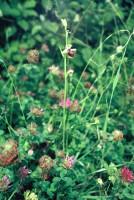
pixel 64 22
pixel 119 49
pixel 99 180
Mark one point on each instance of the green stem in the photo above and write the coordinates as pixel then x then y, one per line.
pixel 65 93
pixel 11 79
pixel 13 193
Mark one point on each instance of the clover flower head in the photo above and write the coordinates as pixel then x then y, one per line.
pixel 4 183
pixel 126 175
pixel 33 56
pixel 30 152
pixel 23 172
pixel 54 70
pixel 68 103
pixel 45 48
pixel 68 162
pixel 118 135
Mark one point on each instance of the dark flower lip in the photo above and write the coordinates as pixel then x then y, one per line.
pixel 71 53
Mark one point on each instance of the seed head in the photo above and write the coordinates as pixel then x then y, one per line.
pixel 45 163
pixel 33 56
pixel 118 135
pixel 11 69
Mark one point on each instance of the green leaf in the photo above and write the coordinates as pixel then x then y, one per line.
pixel 30 13
pixel 51 26
pixel 75 5
pixel 11 31
pixel 23 24
pixel 30 4
pixel 1 132
pixel 35 29
pixel 86 53
pixel 56 179
pixel 63 173
pixel 15 12
pixel 47 4
pixel 2 140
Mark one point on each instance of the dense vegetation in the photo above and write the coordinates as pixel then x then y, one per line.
pixel 67 99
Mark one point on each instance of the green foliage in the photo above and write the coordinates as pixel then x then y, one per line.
pixel 99 76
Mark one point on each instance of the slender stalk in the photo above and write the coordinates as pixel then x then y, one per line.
pixel 65 92
pixel 13 193
pixel 12 82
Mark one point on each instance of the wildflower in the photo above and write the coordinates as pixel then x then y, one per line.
pixel 126 175
pixel 54 106
pixel 75 107
pixel 41 84
pixel 28 195
pixel 8 153
pixel 30 152
pixel 11 69
pixel 117 134
pixel 64 22
pixel 54 70
pixel 24 78
pixel 70 72
pixel 84 75
pixel 99 146
pixel 87 84
pixel 45 48
pixel 68 103
pixel 50 128
pixel 32 128
pixel 69 51
pixel 45 176
pixel 30 93
pixel 60 154
pixel 45 162
pixel 23 172
pixel 112 57
pixel 93 88
pixel 52 94
pixel 33 56
pixel 60 94
pixel 68 162
pixel 36 111
pixel 4 183
pixel 18 94
pixel 99 180
pixel 22 50
pixel 119 49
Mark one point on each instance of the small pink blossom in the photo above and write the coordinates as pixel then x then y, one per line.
pixel 93 88
pixel 68 162
pixel 6 180
pixel 68 103
pixel 45 48
pixel 30 152
pixel 54 70
pixel 23 172
pixel 4 183
pixel 126 175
